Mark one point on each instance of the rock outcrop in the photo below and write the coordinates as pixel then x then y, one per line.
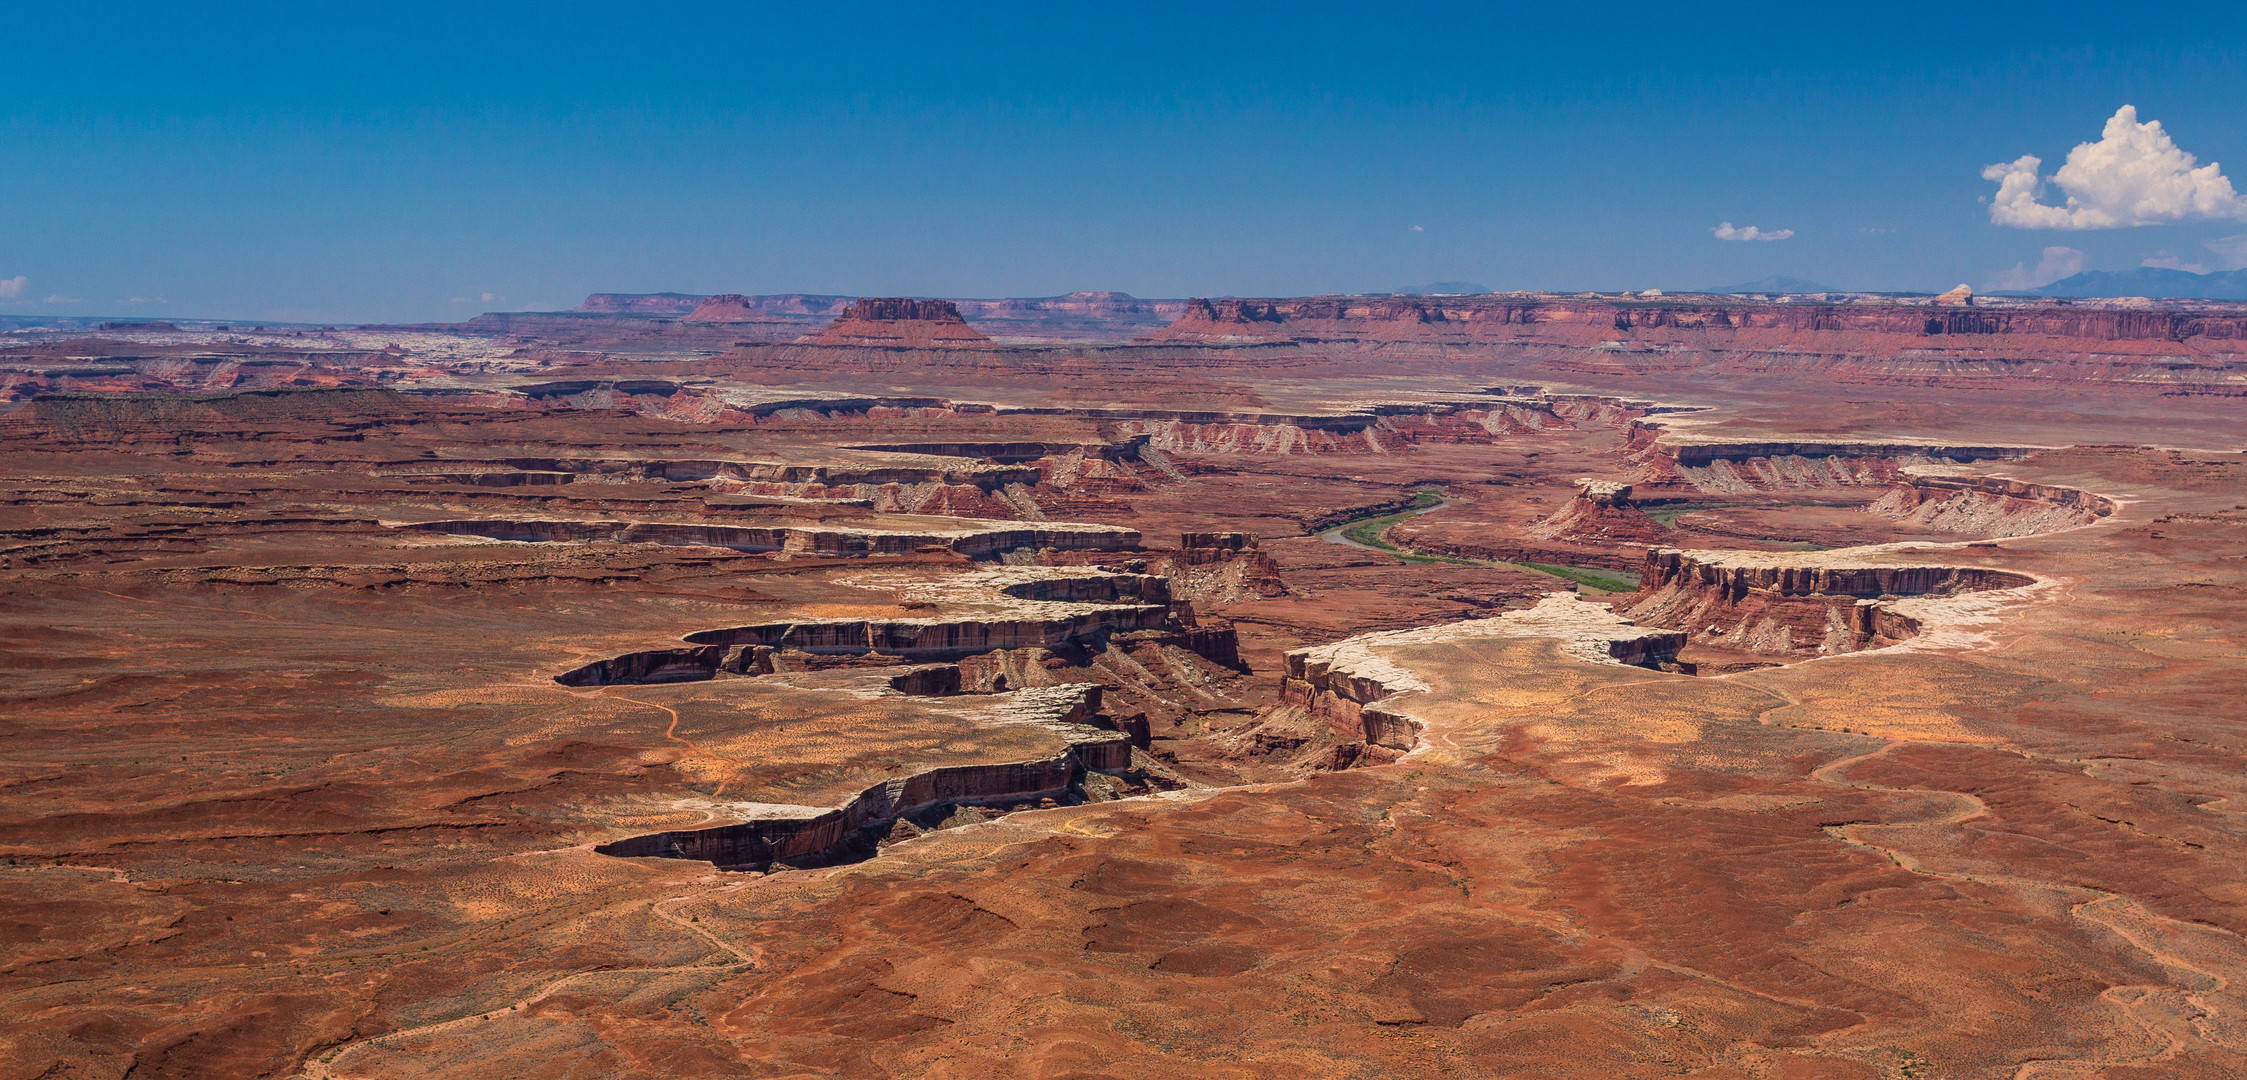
pixel 1714 320
pixel 1212 568
pixel 807 836
pixel 1989 505
pixel 901 323
pixel 1015 608
pixel 1739 468
pixel 1795 604
pixel 1601 512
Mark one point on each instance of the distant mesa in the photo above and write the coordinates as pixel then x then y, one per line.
pixel 901 322
pixel 2151 281
pixel 1778 284
pixel 1443 288
pixel 1959 295
pixel 662 303
pixel 778 307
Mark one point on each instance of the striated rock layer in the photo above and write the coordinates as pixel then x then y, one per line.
pixel 821 837
pixel 1790 604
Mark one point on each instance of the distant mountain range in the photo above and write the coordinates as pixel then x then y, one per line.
pixel 2151 281
pixel 1776 284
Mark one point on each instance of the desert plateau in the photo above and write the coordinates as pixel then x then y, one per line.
pixel 1345 686
pixel 1135 542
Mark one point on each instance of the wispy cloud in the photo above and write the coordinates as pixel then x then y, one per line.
pixel 58 298
pixel 2231 249
pixel 1749 232
pixel 10 288
pixel 2168 260
pixel 2057 263
pixel 2134 175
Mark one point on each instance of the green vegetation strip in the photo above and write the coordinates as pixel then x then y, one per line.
pixel 1367 533
pixel 1589 576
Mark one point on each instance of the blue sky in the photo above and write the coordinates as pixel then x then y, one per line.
pixel 393 162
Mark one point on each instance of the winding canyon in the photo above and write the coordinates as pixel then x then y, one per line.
pixel 1804 686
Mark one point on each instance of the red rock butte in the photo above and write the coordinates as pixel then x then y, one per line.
pixel 901 322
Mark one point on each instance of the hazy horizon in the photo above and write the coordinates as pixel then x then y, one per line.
pixel 402 167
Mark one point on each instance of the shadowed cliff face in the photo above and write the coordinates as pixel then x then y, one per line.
pixel 1076 613
pixel 1794 606
pixel 796 838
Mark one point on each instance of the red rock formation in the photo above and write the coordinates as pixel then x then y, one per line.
pixel 1602 511
pixel 828 837
pixel 1989 505
pixel 1792 605
pixel 1375 318
pixel 901 322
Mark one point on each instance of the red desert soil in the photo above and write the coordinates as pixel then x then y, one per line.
pixel 581 695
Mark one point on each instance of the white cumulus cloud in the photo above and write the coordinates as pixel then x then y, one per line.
pixel 2057 263
pixel 1750 232
pixel 2134 175
pixel 10 288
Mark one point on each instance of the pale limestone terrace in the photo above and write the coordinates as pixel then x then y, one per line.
pixel 1020 592
pixel 1586 631
pixel 1354 680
